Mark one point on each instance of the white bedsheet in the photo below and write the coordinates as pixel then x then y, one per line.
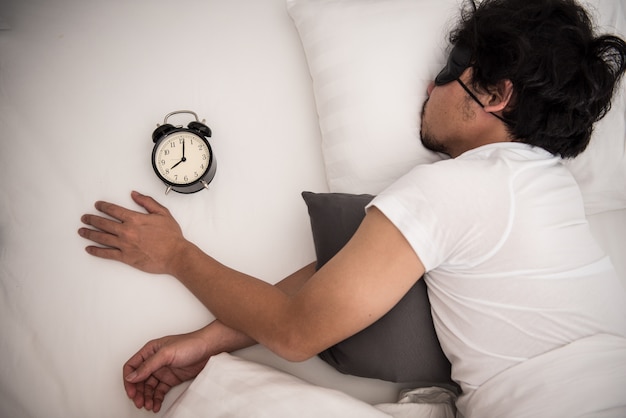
pixel 82 85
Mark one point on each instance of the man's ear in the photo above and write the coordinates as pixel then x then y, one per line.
pixel 500 96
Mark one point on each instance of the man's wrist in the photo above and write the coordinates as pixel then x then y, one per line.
pixel 219 338
pixel 183 257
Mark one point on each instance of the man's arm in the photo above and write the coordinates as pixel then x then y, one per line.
pixel 219 338
pixel 359 285
pixel 166 362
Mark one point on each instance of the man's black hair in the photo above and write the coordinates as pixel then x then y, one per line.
pixel 563 74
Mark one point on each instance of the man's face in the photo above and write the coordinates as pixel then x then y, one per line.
pixel 440 108
pixel 449 112
pixel 445 116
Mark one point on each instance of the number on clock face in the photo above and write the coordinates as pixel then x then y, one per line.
pixel 182 158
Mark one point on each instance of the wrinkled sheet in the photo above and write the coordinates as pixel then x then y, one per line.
pixel 585 378
pixel 236 388
pixel 232 387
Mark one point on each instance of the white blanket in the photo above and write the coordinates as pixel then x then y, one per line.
pixel 231 387
pixel 582 379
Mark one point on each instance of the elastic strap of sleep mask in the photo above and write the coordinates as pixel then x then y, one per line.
pixel 458 61
pixel 474 98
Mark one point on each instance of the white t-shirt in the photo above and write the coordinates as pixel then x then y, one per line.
pixel 511 267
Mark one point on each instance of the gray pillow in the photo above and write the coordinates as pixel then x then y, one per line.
pixel 402 345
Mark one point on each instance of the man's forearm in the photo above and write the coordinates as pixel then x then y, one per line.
pixel 227 339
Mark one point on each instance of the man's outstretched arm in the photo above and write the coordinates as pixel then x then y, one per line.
pixel 359 285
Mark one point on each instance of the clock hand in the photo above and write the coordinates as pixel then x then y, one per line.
pixel 181 161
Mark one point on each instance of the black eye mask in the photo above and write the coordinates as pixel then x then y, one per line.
pixel 458 61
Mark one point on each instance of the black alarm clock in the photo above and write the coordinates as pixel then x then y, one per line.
pixel 182 158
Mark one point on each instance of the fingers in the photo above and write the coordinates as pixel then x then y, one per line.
pixel 146 362
pixel 154 394
pixel 138 366
pixel 149 397
pixel 101 223
pixel 133 390
pixel 140 385
pixel 116 211
pixel 98 237
pixel 123 214
pixel 149 393
pixel 149 204
pixel 159 395
pixel 106 235
pixel 109 231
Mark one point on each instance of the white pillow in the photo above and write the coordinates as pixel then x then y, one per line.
pixel 601 169
pixel 371 60
pixel 233 387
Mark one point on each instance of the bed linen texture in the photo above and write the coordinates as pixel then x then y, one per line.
pixel 231 387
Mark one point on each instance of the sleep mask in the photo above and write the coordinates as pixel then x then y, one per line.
pixel 458 60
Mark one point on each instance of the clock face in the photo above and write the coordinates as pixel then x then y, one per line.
pixel 182 158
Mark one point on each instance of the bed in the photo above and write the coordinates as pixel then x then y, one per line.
pixel 300 95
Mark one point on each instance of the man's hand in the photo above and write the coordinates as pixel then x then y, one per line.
pixel 162 364
pixel 147 241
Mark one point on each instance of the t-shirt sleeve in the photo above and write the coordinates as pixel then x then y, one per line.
pixel 439 209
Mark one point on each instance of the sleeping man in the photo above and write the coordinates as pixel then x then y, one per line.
pixel 498 231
